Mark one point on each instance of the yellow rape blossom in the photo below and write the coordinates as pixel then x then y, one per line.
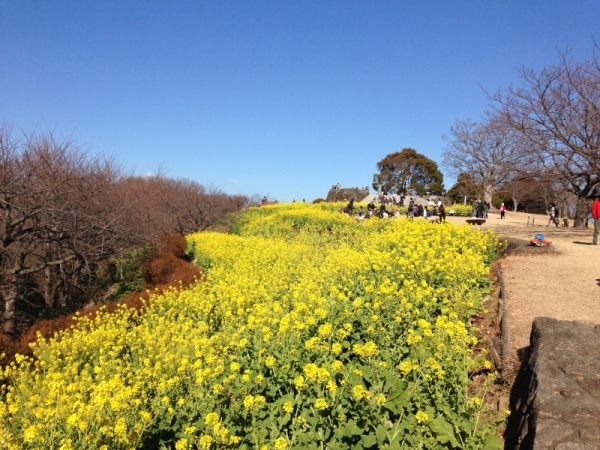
pixel 281 443
pixel 421 416
pixel 288 407
pixel 299 382
pixel 321 404
pixel 182 444
pixel 270 361
pixel 299 287
pixel 205 441
pixel 213 417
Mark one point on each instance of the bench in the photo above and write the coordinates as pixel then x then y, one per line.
pixel 475 221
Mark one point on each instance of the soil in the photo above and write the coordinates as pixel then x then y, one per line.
pixel 560 281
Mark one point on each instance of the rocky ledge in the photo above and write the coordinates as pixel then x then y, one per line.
pixel 558 403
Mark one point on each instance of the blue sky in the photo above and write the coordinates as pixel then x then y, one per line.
pixel 278 98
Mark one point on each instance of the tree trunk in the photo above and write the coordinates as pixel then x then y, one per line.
pixel 9 295
pixel 488 193
pixel 53 287
pixel 581 212
pixel 48 290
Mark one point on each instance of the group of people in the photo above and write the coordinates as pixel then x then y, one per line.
pixel 480 210
pixel 390 199
pixel 414 209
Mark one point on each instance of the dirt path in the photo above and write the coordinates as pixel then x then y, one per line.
pixel 561 281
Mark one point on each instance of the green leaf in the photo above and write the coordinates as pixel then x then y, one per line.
pixel 352 429
pixel 282 420
pixel 397 432
pixel 367 372
pixel 398 399
pixel 399 389
pixel 381 433
pixel 443 430
pixel 335 445
pixel 493 443
pixel 393 407
pixel 369 440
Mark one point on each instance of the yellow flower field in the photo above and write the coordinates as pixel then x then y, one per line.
pixel 309 330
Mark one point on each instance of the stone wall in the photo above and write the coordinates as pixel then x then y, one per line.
pixel 557 393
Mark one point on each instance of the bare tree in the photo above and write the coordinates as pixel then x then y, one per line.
pixel 180 206
pixel 488 151
pixel 60 214
pixel 63 214
pixel 557 109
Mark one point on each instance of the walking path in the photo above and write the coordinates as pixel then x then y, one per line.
pixel 561 281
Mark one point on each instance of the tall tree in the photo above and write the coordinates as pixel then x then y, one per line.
pixel 557 109
pixel 406 170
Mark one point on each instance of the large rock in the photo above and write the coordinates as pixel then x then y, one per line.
pixel 345 194
pixel 559 407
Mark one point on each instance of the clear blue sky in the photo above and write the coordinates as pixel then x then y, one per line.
pixel 280 98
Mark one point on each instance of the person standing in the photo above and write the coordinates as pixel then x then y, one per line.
pixel 479 210
pixel 442 213
pixel 410 212
pixel 596 217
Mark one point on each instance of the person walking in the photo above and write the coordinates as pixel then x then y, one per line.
pixel 596 217
pixel 502 211
pixel 552 214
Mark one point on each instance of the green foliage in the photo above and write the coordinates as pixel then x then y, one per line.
pixel 126 270
pixel 401 171
pixel 465 185
pixel 459 210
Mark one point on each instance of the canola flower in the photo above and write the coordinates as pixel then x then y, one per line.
pixel 305 321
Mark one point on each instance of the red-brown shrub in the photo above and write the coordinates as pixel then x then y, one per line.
pixel 167 267
pixel 173 245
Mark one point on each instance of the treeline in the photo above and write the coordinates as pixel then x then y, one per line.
pixel 64 215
